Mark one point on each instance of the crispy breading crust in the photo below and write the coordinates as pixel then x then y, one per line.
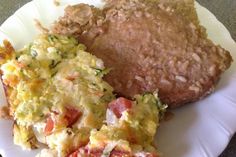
pixel 151 45
pixel 184 67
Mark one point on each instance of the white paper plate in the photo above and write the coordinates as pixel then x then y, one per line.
pixel 202 129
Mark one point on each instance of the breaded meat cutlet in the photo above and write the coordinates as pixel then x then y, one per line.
pixel 149 45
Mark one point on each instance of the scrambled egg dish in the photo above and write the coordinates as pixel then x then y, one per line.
pixel 57 97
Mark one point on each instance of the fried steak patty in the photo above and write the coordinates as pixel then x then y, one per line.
pixel 149 45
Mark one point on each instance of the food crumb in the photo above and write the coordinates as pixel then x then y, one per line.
pixel 40 27
pixel 56 2
pixel 168 116
pixel 4 113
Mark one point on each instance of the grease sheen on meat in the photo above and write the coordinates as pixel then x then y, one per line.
pixel 149 45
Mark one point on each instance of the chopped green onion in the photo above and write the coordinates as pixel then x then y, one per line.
pixel 52 38
pixel 54 64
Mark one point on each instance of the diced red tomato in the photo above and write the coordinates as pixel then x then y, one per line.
pixel 119 153
pixel 74 154
pixel 149 155
pixel 120 105
pixel 81 147
pixel 49 126
pixel 86 152
pixel 72 115
pixel 97 152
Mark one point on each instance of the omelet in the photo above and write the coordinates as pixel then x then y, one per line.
pixel 57 96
